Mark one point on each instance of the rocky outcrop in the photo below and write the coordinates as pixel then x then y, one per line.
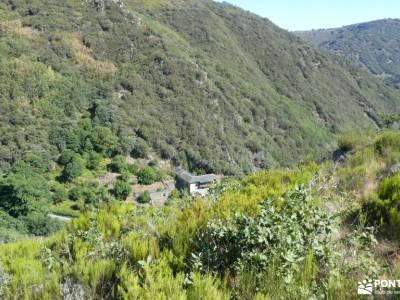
pixel 394 169
pixel 5 280
pixel 73 291
pixel 99 4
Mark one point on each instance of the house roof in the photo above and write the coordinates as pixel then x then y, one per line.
pixel 190 178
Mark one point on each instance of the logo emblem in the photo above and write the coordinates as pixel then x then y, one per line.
pixel 365 287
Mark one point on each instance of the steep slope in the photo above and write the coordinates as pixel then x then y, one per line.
pixel 373 46
pixel 206 85
pixel 321 228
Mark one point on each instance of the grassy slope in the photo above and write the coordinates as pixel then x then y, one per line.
pixel 373 46
pixel 125 252
pixel 208 84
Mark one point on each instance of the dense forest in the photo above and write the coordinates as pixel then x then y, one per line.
pixel 206 85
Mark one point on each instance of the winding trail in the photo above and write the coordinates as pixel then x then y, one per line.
pixel 59 218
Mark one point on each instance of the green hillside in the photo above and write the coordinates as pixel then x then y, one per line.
pixel 309 232
pixel 372 45
pixel 205 85
pixel 101 99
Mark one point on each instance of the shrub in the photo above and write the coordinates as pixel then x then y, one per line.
pixel 60 193
pixel 140 149
pixel 90 193
pixel 93 161
pixel 383 210
pixel 148 175
pixel 106 25
pixel 119 165
pixel 9 223
pixel 40 224
pixel 144 198
pixel 389 189
pixel 283 233
pixel 103 140
pixel 389 141
pixel 122 189
pixel 206 287
pixel 157 281
pixel 175 194
pixel 39 163
pixel 133 168
pixel 66 157
pixel 23 191
pixel 71 171
pixel 167 151
pixel 73 142
pixel 126 144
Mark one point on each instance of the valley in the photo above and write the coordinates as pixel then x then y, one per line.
pixel 193 150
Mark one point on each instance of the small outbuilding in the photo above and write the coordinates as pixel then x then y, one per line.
pixel 195 184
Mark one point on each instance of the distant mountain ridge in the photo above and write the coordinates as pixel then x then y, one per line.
pixel 375 46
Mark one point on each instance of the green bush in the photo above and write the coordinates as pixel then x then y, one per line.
pixel 140 149
pixel 40 224
pixel 91 194
pixel 148 175
pixel 39 163
pixel 85 138
pixel 72 170
pixel 281 233
pixel 59 193
pixel 144 198
pixel 167 151
pixel 93 161
pixel 122 189
pixel 389 189
pixel 388 141
pixel 383 210
pixel 66 157
pixel 104 141
pixel 8 222
pixel 133 168
pixel 119 165
pixel 23 191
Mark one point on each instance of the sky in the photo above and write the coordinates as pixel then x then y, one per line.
pixel 316 14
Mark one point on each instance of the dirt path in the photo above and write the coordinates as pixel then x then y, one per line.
pixel 59 218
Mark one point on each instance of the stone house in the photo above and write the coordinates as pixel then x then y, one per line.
pixel 195 184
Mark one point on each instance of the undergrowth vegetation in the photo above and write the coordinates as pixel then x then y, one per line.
pixel 280 234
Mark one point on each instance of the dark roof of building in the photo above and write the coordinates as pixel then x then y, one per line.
pixel 190 178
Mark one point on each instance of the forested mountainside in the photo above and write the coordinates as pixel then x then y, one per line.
pixel 101 99
pixel 310 232
pixel 373 45
pixel 205 85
